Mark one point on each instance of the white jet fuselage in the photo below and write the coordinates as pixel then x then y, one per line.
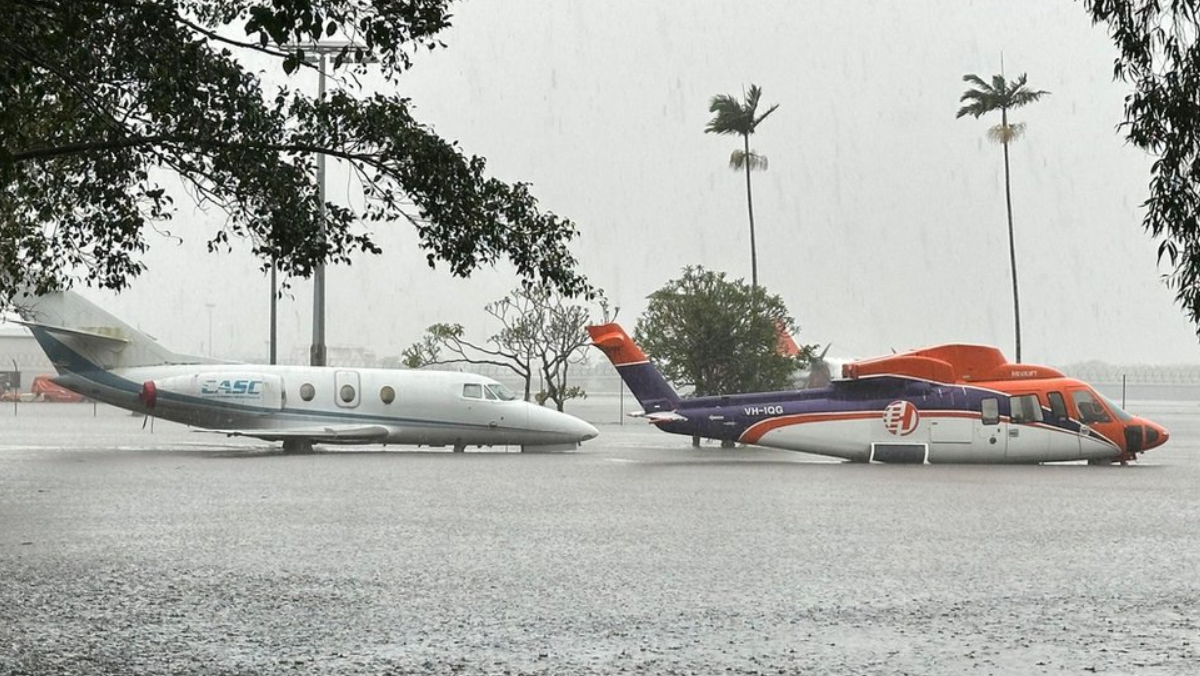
pixel 99 356
pixel 279 402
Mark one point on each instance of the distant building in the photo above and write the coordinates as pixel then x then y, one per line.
pixel 21 359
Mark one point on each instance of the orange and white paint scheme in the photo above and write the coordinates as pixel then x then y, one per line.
pixel 952 403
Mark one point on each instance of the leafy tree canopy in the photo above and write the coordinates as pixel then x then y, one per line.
pixel 718 336
pixel 100 97
pixel 1159 53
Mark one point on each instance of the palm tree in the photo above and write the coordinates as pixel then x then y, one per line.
pixel 985 98
pixel 742 118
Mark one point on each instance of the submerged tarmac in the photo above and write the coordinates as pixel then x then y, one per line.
pixel 176 552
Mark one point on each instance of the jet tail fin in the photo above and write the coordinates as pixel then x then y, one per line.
pixel 79 336
pixel 652 391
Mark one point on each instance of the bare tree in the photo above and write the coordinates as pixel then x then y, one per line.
pixel 512 347
pixel 563 341
pixel 537 327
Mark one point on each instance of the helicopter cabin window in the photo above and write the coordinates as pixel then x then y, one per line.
pixel 990 408
pixel 307 392
pixel 1058 405
pixel 1090 410
pixel 387 395
pixel 1025 408
pixel 473 391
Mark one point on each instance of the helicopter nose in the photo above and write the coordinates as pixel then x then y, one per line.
pixel 1156 435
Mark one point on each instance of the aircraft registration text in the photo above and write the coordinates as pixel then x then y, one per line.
pixel 763 410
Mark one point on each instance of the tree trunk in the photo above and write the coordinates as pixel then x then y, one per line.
pixel 750 208
pixel 1012 247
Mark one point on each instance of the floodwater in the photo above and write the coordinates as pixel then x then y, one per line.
pixel 173 552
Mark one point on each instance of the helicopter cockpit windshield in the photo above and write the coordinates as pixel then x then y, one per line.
pixel 1116 410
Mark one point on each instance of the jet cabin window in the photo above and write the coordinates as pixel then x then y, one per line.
pixel 473 391
pixel 1025 408
pixel 1090 410
pixel 387 395
pixel 307 392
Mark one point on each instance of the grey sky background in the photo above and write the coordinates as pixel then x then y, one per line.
pixel 880 221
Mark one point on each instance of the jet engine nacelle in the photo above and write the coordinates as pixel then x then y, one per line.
pixel 240 387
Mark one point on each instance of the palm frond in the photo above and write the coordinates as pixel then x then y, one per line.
pixel 724 103
pixel 977 81
pixel 730 118
pixel 980 100
pixel 733 116
pixel 975 109
pixel 752 96
pixel 999 95
pixel 762 117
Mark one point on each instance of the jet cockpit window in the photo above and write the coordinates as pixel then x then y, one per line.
pixel 1090 410
pixel 1025 408
pixel 489 394
pixel 500 392
pixel 990 408
pixel 473 391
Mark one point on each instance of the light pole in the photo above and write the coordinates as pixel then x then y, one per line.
pixel 316 355
pixel 274 298
pixel 315 53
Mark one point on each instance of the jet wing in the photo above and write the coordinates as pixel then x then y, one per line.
pixel 328 434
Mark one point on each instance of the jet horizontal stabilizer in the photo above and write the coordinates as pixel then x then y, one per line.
pixel 79 333
pixel 663 416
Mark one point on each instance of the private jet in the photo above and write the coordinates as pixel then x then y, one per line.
pixel 101 357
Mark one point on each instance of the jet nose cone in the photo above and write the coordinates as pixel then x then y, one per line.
pixel 561 427
pixel 588 431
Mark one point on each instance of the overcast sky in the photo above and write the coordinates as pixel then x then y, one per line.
pixel 880 220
